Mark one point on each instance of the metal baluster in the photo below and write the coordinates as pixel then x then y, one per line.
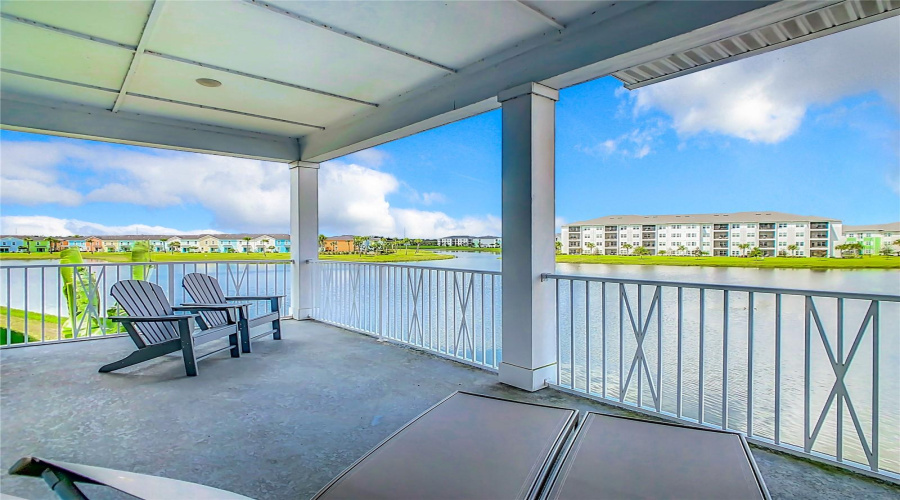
pixel 558 334
pixel 839 445
pixel 59 316
pixel 777 368
pixel 659 313
pixel 640 345
pixel 807 442
pixel 8 308
pixel 700 404
pixel 496 362
pixel 571 334
pixel 446 315
pixel 750 364
pixel 43 306
pixel 25 272
pixel 725 359
pixel 680 312
pixel 621 342
pixel 603 335
pixel 587 336
pixel 875 369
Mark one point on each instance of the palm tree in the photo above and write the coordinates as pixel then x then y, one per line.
pixel 418 243
pixel 756 252
pixel 641 252
pixel 743 247
pixel 176 245
pixel 896 243
pixel 357 244
pixel 264 242
pixel 697 252
pixel 558 247
pixel 590 246
pixel 247 240
pixel 886 251
pixel 333 247
pixel 322 239
pixel 627 247
pixel 27 246
pixel 681 249
pixel 661 252
pixel 405 243
pixel 792 249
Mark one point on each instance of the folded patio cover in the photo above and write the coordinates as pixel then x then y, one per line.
pixel 617 457
pixel 466 446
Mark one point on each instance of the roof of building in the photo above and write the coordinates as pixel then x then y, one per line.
pixel 767 216
pixel 343 237
pixel 873 228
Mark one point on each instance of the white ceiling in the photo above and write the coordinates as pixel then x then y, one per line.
pixel 314 80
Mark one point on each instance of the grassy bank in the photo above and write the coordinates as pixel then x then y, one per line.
pixel 767 263
pixel 399 256
pixel 461 249
pixel 17 320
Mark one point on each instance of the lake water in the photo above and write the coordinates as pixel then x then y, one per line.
pixel 720 366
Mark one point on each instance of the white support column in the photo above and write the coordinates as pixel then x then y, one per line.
pixel 529 191
pixel 304 235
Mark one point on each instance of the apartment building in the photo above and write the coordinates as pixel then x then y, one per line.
pixel 470 241
pixel 874 237
pixel 723 234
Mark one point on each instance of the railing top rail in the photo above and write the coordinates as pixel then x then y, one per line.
pixel 103 263
pixel 732 288
pixel 405 266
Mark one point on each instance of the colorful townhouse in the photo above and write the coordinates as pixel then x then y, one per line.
pixel 11 244
pixel 874 237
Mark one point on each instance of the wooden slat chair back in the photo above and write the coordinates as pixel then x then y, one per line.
pixel 205 290
pixel 140 298
pixel 156 330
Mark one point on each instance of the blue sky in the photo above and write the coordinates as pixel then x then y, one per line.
pixel 813 129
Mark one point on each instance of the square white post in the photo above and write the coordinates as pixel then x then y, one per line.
pixel 529 190
pixel 304 235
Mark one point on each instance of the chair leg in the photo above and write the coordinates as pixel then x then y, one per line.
pixel 244 328
pixel 276 325
pixel 141 355
pixel 187 349
pixel 235 348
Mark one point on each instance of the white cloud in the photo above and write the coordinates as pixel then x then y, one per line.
pixel 53 226
pixel 243 195
pixel 635 144
pixel 765 98
pixel 353 199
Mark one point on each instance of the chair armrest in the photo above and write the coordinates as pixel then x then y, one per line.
pixel 207 307
pixel 253 297
pixel 137 485
pixel 151 319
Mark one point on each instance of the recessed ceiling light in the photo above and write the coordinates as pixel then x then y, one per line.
pixel 209 82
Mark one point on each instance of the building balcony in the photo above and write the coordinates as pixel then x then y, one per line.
pixel 819 236
pixel 720 227
pixel 818 225
pixel 649 236
pixel 766 225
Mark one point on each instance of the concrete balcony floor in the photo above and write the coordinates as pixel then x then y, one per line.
pixel 277 423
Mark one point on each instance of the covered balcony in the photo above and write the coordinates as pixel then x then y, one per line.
pixel 303 83
pixel 279 423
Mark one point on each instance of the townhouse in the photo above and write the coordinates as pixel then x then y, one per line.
pixel 721 234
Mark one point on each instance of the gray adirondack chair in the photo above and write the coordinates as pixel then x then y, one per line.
pixel 156 330
pixel 204 290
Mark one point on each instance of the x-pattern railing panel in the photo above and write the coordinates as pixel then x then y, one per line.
pixel 766 362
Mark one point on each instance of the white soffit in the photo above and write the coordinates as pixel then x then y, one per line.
pixel 824 21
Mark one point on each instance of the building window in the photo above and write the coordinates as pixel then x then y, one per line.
pixel 735 226
pixel 800 234
pixel 782 225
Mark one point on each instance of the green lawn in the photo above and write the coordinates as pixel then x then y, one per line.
pixel 767 263
pixel 17 320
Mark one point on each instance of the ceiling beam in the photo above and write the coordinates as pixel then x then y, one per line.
pixel 133 49
pixel 43 116
pixel 614 30
pixel 544 17
pixel 160 99
pixel 353 36
pixel 146 33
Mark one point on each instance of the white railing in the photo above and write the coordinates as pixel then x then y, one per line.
pixel 450 312
pixel 814 373
pixel 36 301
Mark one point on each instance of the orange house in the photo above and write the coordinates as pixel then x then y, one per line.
pixel 338 244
